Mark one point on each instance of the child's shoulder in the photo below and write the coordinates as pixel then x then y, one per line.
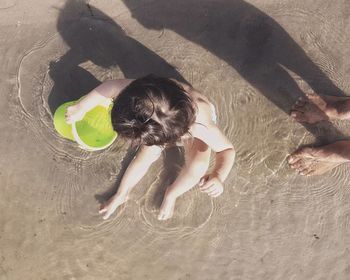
pixel 119 84
pixel 205 109
pixel 206 113
pixel 211 135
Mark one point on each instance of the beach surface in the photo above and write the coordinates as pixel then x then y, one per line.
pixel 253 59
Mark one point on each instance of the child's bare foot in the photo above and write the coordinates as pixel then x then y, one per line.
pixel 315 108
pixel 167 208
pixel 316 161
pixel 111 205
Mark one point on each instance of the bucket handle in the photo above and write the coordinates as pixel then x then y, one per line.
pixel 78 140
pixel 82 145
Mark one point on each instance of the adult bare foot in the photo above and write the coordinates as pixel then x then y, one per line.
pixel 316 161
pixel 112 204
pixel 167 208
pixel 315 108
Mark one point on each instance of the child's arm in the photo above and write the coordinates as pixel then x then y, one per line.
pixel 225 157
pixel 212 184
pixel 133 174
pixel 101 95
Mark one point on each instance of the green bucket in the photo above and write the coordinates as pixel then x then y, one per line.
pixel 94 132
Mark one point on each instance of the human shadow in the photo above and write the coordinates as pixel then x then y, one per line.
pixel 252 42
pixel 96 40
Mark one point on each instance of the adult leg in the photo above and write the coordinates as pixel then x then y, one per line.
pixel 314 108
pixel 318 160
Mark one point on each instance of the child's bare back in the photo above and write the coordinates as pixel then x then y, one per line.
pixel 145 111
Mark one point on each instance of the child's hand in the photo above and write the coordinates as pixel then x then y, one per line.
pixel 74 114
pixel 211 185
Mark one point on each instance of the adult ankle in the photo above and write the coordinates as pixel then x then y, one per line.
pixel 341 109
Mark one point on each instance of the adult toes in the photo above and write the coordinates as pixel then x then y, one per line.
pixel 295 114
pixel 298 116
pixel 293 158
pixel 297 164
pixel 298 107
pixel 306 171
pixel 311 173
pixel 300 102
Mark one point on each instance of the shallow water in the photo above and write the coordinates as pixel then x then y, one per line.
pixel 269 224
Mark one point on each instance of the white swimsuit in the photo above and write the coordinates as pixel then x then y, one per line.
pixel 214 117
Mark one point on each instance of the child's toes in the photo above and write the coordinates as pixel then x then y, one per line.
pixel 161 216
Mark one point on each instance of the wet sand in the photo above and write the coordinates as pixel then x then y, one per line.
pixel 253 59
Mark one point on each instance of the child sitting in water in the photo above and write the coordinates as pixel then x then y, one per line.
pixel 157 113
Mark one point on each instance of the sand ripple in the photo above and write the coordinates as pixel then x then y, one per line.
pixel 268 216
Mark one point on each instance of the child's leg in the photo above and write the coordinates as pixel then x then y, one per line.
pixel 133 174
pixel 197 155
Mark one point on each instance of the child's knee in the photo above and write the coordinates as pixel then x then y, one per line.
pixel 199 169
pixel 154 157
pixel 152 153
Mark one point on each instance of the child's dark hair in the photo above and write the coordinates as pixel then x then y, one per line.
pixel 153 111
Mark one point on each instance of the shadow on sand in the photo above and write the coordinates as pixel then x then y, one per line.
pixel 253 43
pixel 94 37
pixel 249 40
